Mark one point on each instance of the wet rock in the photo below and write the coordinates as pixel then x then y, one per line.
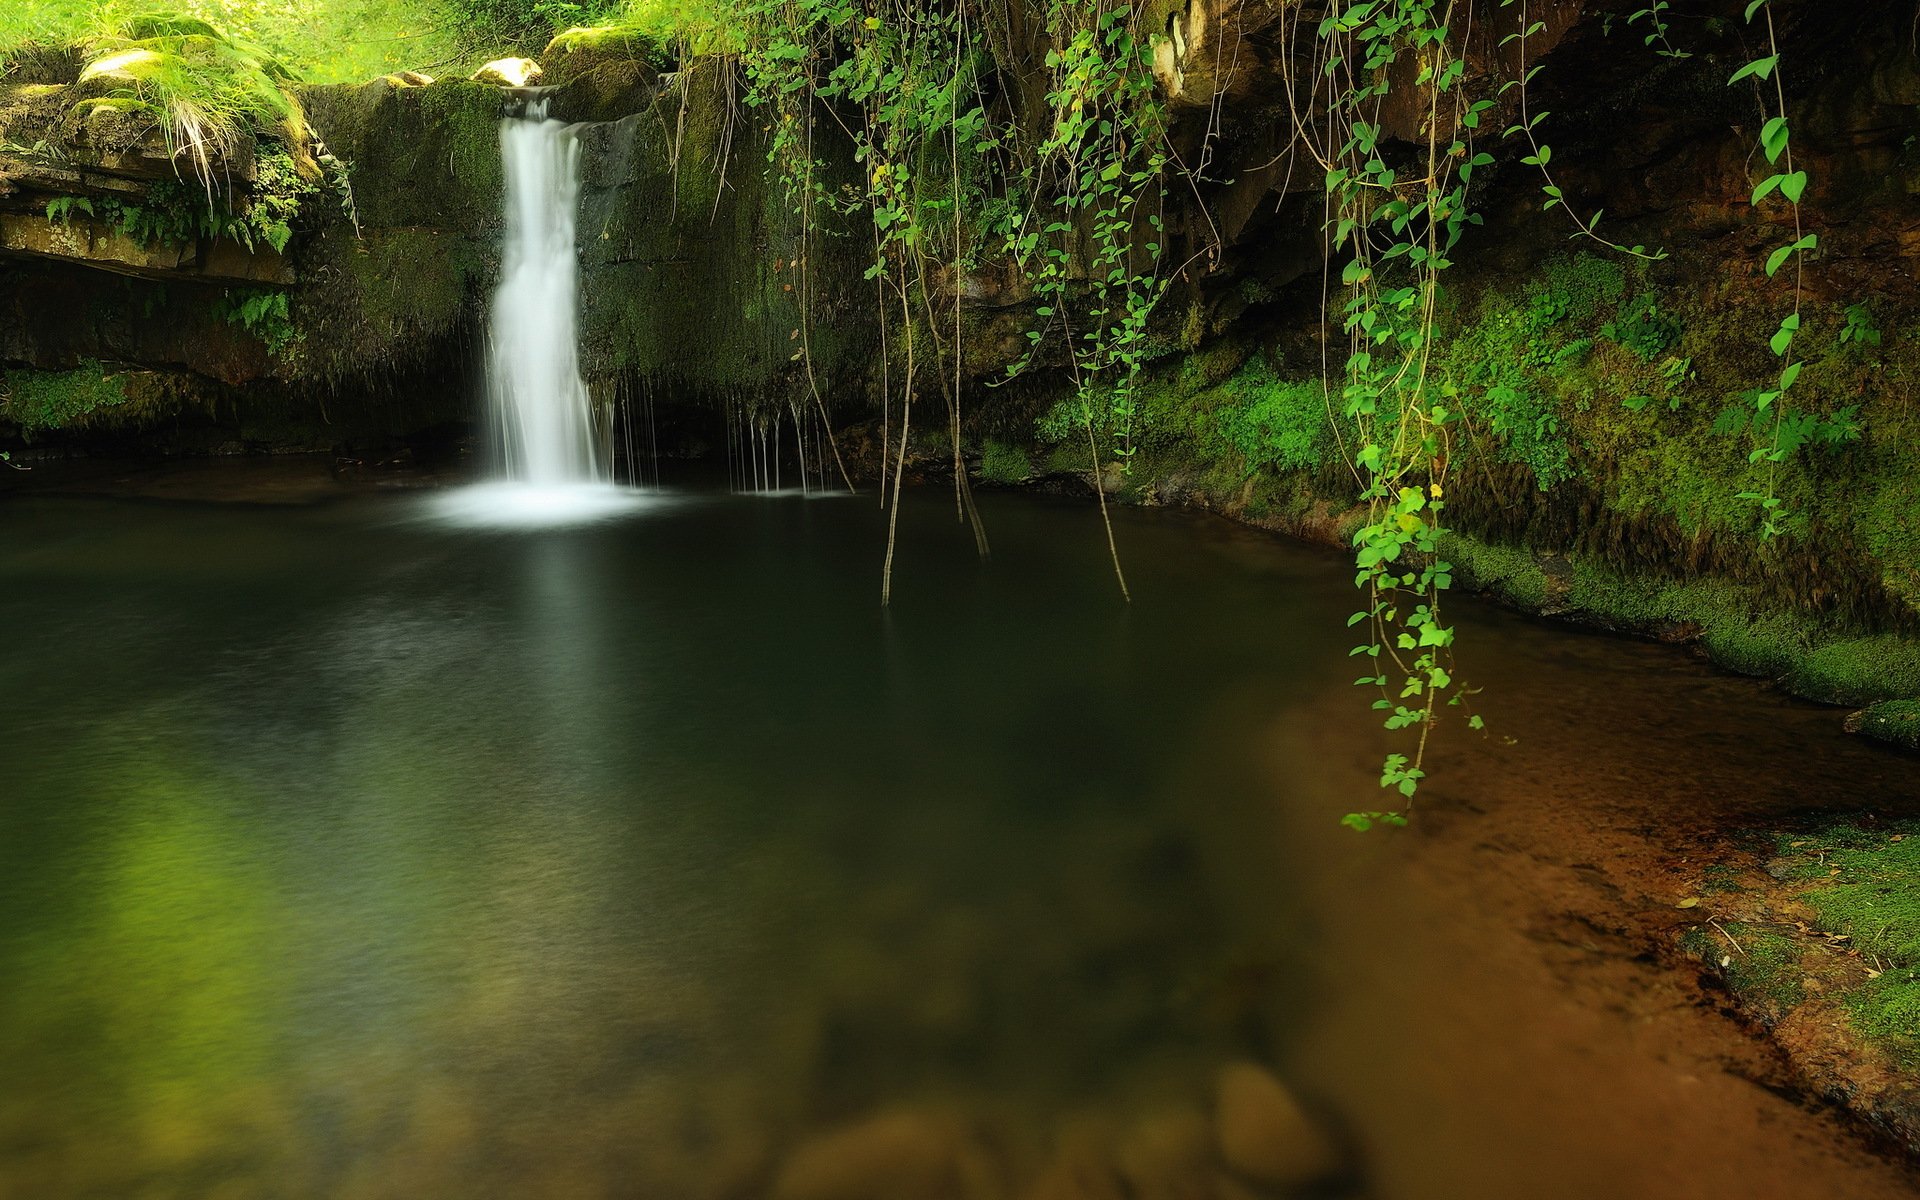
pixel 1264 1134
pixel 1168 1156
pixel 901 1155
pixel 508 72
pixel 1083 1166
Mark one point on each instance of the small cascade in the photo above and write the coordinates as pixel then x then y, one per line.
pixel 763 441
pixel 541 416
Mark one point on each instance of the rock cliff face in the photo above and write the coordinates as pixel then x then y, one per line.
pixel 687 268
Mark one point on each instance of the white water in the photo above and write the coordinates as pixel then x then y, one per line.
pixel 539 401
pixel 541 419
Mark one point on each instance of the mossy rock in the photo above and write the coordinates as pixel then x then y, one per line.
pixel 42 63
pixel 417 156
pixel 579 51
pixel 1894 721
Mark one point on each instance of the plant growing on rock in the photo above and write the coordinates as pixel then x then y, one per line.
pixel 203 91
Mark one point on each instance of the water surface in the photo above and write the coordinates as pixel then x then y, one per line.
pixel 348 854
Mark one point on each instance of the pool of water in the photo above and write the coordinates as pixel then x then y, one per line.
pixel 346 853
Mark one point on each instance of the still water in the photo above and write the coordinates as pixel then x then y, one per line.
pixel 344 853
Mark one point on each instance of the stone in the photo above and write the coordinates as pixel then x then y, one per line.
pixel 1263 1132
pixel 898 1155
pixel 1082 1167
pixel 508 72
pixel 1168 1156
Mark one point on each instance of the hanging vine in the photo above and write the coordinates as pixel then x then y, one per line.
pixel 1776 143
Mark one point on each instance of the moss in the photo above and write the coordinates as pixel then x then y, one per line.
pixel 1273 424
pixel 1509 572
pixel 1518 364
pixel 418 156
pixel 1759 964
pixel 1867 888
pixel 1893 721
pixel 579 51
pixel 1002 463
pixel 1857 670
pixel 39 401
pixel 392 297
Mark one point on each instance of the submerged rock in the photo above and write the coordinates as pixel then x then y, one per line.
pixel 899 1155
pixel 1265 1135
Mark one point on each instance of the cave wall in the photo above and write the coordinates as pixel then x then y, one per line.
pixel 1599 462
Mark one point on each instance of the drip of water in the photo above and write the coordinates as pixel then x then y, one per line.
pixel 539 402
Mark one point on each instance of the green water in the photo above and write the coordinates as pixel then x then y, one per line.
pixel 345 854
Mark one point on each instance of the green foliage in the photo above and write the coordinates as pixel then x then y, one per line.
pixel 1399 232
pixel 1644 328
pixel 1065 421
pixel 279 191
pixel 1529 430
pixel 264 314
pixel 174 212
pixel 1002 463
pixel 1776 143
pixel 1275 424
pixel 1515 363
pixel 326 41
pixel 44 400
pixel 204 91
pixel 1860 328
pixel 1868 889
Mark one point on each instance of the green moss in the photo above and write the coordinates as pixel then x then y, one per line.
pixel 575 52
pixel 38 401
pixel 1507 571
pixel 1887 1012
pixel 1271 423
pixel 1857 670
pixel 1867 887
pixel 1518 365
pixel 1894 721
pixel 1001 463
pixel 1645 328
pixel 1760 964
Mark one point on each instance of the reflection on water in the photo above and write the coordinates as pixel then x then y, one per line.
pixel 348 856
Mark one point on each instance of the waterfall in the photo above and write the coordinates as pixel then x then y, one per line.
pixel 540 417
pixel 539 403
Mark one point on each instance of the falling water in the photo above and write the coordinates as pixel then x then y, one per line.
pixel 542 422
pixel 539 401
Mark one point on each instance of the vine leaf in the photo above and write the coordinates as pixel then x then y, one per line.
pixel 1759 68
